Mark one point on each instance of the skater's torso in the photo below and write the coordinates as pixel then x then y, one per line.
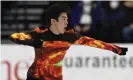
pixel 47 64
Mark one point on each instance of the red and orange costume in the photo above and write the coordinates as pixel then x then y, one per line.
pixel 50 50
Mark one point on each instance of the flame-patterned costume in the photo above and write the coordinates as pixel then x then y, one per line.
pixel 50 50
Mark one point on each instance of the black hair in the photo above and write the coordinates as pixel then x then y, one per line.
pixel 54 12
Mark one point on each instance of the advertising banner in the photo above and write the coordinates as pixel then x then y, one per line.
pixel 80 63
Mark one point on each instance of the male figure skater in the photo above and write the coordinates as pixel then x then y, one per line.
pixel 51 44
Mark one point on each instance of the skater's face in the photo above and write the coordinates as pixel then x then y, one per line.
pixel 62 22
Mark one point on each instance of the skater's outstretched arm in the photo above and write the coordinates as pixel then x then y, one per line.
pixel 84 40
pixel 30 38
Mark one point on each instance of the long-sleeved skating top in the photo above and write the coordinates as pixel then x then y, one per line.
pixel 50 50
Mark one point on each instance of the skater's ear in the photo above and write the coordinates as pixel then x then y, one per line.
pixel 53 21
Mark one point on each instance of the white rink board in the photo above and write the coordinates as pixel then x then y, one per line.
pixel 80 63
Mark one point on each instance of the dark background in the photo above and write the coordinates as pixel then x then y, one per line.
pixel 108 24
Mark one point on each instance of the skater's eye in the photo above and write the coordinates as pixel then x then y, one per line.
pixel 64 18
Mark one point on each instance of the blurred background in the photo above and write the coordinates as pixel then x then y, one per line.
pixel 109 21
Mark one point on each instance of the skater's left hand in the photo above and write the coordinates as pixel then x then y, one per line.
pixel 123 50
